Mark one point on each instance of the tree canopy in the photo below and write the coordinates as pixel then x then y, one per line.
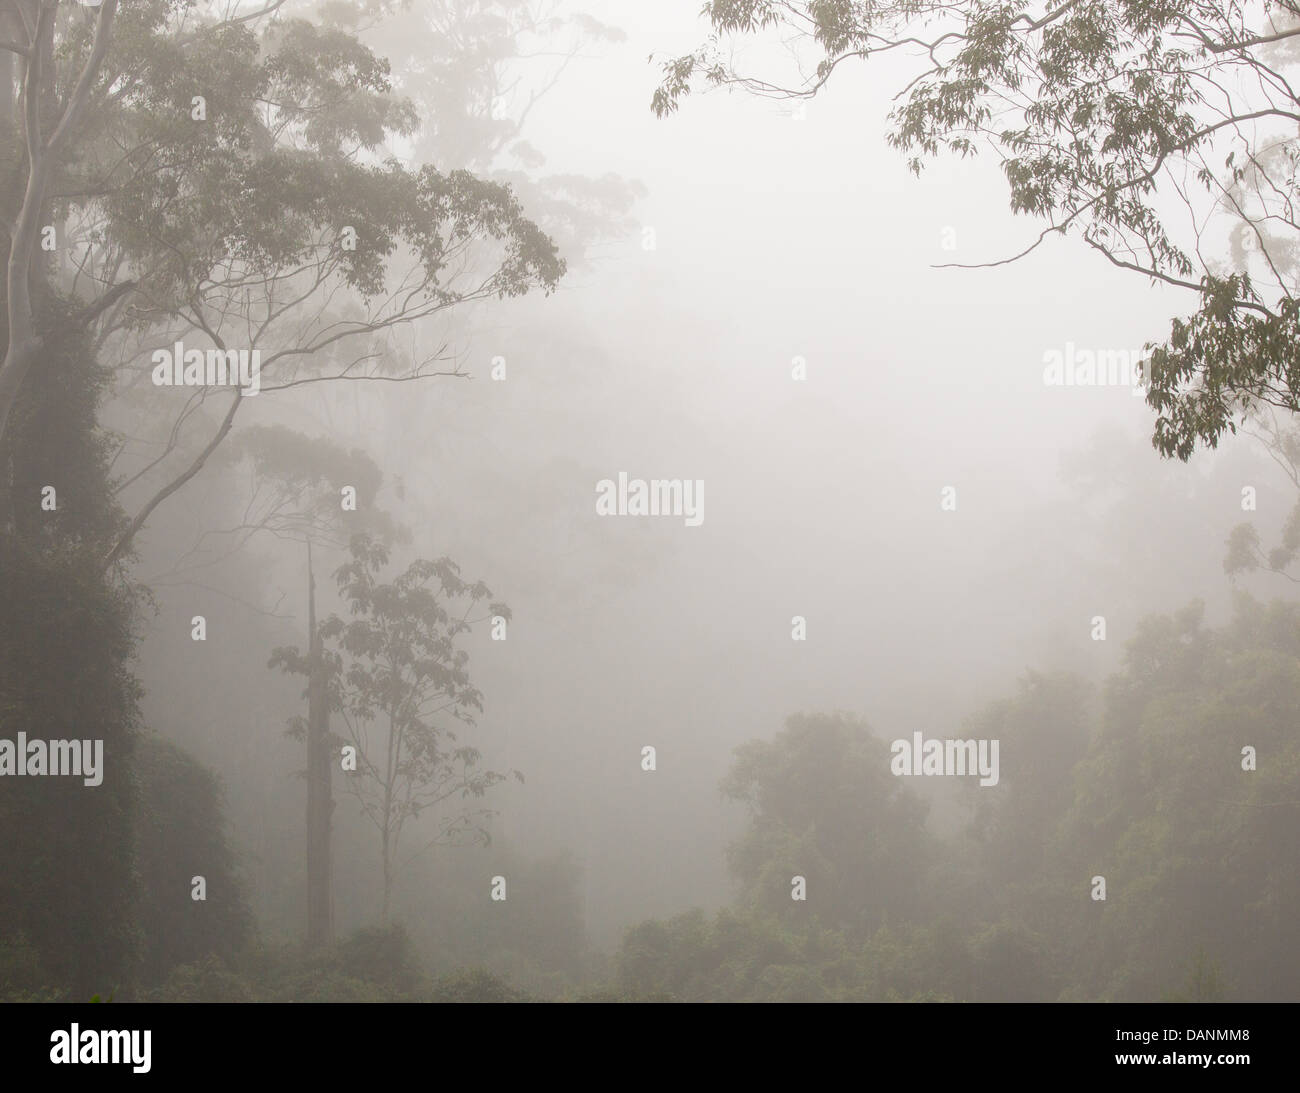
pixel 1164 136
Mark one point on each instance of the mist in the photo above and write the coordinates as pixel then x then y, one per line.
pixel 680 727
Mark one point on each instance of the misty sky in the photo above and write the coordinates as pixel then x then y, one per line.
pixel 777 238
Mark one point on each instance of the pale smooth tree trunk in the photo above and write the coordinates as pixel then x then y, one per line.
pixel 23 343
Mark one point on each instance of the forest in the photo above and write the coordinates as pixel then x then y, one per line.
pixel 367 630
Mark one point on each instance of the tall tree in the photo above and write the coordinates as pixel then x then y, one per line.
pixel 1185 802
pixel 400 683
pixel 51 107
pixel 318 494
pixel 67 637
pixel 227 178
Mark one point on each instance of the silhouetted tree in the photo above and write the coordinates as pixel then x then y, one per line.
pixel 400 683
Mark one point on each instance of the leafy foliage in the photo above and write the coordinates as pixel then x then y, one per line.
pixel 824 805
pixel 397 676
pixel 1157 133
pixel 180 833
pixel 1145 787
pixel 67 634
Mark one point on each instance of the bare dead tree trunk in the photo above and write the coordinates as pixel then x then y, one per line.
pixel 386 829
pixel 388 881
pixel 320 919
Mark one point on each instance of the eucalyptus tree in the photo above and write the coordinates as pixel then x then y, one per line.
pixel 1163 136
pixel 224 175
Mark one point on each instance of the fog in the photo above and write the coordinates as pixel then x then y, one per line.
pixel 768 302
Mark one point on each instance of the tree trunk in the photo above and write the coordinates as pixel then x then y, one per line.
pixel 6 74
pixel 388 880
pixel 384 839
pixel 320 918
pixel 386 830
pixel 22 350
